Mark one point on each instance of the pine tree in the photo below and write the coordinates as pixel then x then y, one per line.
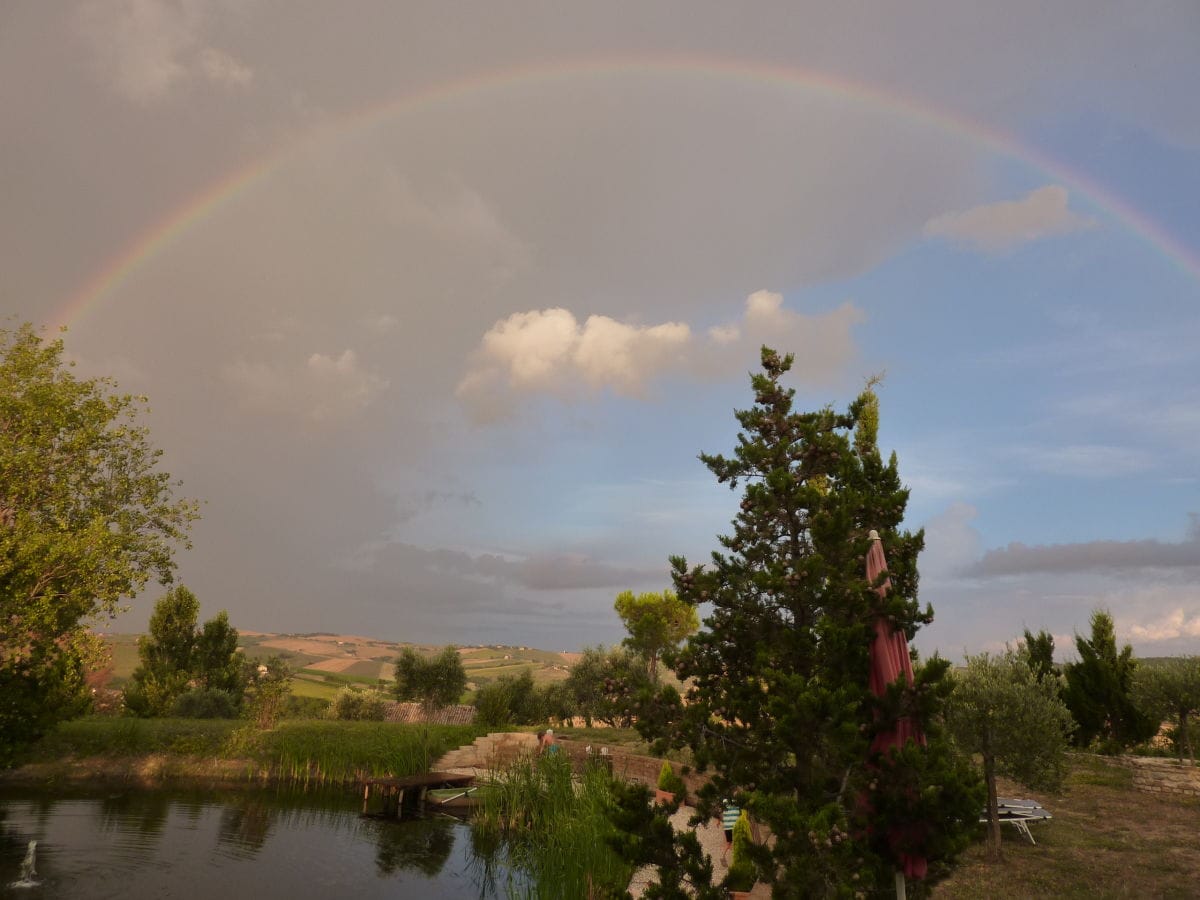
pixel 1099 690
pixel 778 705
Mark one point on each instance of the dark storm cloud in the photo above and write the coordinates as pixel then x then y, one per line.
pixel 1020 559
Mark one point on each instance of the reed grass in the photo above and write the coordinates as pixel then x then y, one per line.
pixel 553 829
pixel 301 751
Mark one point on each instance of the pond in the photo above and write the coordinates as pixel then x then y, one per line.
pixel 247 843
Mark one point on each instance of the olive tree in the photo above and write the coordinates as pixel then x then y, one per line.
pixel 87 520
pixel 435 682
pixel 1170 691
pixel 1001 710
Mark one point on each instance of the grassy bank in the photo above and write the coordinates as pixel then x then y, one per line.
pixel 306 750
pixel 1107 840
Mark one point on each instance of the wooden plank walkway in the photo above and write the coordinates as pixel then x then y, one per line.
pixel 391 791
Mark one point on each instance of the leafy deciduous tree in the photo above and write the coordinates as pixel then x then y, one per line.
pixel 1014 720
pixel 268 685
pixel 435 682
pixel 86 520
pixel 655 622
pixel 176 656
pixel 606 685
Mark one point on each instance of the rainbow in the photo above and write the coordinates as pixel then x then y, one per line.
pixel 206 202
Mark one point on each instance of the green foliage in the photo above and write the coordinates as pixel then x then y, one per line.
pixel 1000 709
pixel 215 662
pixel 86 520
pixel 644 835
pixel 268 689
pixel 1099 691
pixel 435 682
pixel 608 686
pixel 741 875
pixel 204 703
pixel 1015 721
pixel 294 707
pixel 778 703
pixel 177 657
pixel 555 827
pixel 1039 649
pixel 311 751
pixel 516 700
pixel 116 737
pixel 655 622
pixel 357 705
pixel 1170 691
pixel 669 780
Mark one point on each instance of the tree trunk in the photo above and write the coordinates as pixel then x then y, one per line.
pixel 989 775
pixel 1185 739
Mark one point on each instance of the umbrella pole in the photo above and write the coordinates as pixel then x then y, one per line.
pixel 901 892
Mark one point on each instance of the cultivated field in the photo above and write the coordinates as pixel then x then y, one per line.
pixel 323 663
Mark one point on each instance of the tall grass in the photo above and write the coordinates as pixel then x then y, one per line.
pixel 346 751
pixel 552 829
pixel 304 751
pixel 116 737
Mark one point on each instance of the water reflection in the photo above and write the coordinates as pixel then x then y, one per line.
pixel 244 827
pixel 421 845
pixel 254 843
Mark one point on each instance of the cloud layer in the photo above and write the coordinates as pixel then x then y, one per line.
pixel 1002 226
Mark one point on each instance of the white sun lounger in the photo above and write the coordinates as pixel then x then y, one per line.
pixel 1019 813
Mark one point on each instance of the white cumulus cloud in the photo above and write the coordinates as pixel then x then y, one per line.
pixel 997 227
pixel 551 351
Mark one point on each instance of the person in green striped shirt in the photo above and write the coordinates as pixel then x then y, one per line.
pixel 729 817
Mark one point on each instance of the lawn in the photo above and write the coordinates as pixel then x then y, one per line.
pixel 1106 840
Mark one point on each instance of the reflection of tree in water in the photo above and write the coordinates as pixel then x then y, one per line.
pixel 245 827
pixel 146 813
pixel 489 859
pixel 422 845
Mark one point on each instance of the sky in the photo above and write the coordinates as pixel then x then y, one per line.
pixel 437 303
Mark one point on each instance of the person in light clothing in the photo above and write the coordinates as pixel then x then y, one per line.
pixel 729 816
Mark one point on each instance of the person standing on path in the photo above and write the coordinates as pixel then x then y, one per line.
pixel 729 816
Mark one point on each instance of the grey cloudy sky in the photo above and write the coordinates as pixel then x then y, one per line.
pixel 436 303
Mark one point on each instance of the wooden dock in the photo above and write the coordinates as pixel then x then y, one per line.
pixel 392 791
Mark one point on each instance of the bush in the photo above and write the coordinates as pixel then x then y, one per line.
pixel 305 707
pixel 741 875
pixel 356 705
pixel 204 703
pixel 492 705
pixel 670 782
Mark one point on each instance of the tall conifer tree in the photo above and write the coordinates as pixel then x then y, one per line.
pixel 778 705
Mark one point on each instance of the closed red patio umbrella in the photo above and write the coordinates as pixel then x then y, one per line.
pixel 890 660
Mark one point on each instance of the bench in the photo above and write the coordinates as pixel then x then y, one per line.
pixel 1019 813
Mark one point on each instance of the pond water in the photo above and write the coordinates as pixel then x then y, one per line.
pixel 232 844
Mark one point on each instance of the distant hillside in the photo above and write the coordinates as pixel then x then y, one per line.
pixel 324 662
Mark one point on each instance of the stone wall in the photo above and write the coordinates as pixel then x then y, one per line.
pixel 629 766
pixel 1158 775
